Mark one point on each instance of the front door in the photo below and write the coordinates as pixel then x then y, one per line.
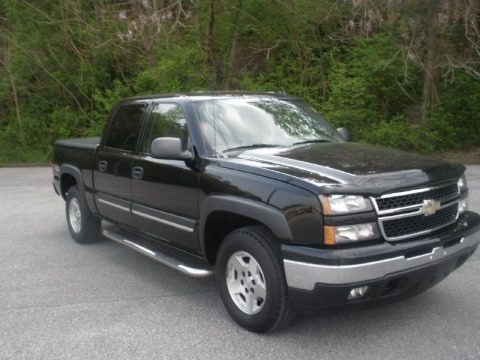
pixel 165 192
pixel 113 163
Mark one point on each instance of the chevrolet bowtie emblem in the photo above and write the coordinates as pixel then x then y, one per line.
pixel 430 207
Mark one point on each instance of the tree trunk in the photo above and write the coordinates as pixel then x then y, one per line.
pixel 429 97
pixel 208 50
pixel 17 107
pixel 231 69
pixel 6 64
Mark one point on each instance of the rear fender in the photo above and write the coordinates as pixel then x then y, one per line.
pixel 77 175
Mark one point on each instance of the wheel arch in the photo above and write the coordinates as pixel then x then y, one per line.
pixel 222 214
pixel 70 175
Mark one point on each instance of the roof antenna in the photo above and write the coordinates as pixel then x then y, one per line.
pixel 282 91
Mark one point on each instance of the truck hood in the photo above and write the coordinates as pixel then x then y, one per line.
pixel 344 167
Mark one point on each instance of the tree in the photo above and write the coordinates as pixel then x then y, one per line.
pixel 393 71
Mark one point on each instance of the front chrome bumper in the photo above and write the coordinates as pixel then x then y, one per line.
pixel 305 276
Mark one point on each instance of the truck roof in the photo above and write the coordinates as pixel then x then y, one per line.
pixel 206 95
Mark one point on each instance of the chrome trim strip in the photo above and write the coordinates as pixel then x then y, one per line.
pixel 163 221
pixel 409 192
pixel 301 275
pixel 161 258
pixel 409 207
pixel 112 204
pixel 414 213
pixel 415 191
pixel 395 210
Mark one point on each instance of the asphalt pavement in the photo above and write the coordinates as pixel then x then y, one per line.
pixel 61 300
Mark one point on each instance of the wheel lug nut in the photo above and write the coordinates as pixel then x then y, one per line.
pixel 249 273
pixel 251 289
pixel 253 282
pixel 246 290
pixel 241 282
pixel 243 273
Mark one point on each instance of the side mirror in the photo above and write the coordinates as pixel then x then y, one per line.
pixel 169 148
pixel 345 134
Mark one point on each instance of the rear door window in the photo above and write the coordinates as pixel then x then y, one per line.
pixel 125 127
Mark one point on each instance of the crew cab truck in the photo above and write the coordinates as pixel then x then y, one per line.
pixel 259 190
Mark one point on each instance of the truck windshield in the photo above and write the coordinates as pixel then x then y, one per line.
pixel 230 124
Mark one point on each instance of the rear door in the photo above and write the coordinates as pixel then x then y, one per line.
pixel 113 163
pixel 165 192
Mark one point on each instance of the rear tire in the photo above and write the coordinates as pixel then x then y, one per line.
pixel 251 280
pixel 83 227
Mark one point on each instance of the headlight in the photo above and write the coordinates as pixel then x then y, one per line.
pixel 347 234
pixel 462 183
pixel 462 186
pixel 344 204
pixel 462 205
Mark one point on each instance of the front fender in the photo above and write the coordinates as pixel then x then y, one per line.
pixel 271 217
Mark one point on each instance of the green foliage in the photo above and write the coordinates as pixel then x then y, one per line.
pixel 176 72
pixel 457 118
pixel 362 63
pixel 104 101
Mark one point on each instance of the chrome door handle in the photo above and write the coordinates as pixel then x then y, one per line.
pixel 137 172
pixel 102 166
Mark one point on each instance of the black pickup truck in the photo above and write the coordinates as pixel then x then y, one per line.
pixel 259 190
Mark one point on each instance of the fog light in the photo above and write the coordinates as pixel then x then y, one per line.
pixel 357 293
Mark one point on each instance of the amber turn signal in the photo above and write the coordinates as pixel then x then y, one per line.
pixel 329 235
pixel 325 205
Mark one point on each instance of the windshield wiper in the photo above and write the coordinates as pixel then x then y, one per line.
pixel 312 141
pixel 252 146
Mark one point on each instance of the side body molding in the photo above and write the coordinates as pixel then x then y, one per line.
pixel 266 214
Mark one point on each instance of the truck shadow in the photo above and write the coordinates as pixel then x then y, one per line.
pixel 428 312
pixel 424 311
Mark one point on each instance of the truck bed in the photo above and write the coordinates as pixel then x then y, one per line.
pixel 90 143
pixel 78 154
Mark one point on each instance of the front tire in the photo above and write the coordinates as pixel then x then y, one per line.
pixel 251 280
pixel 83 227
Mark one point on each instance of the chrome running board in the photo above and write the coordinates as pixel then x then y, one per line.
pixel 176 259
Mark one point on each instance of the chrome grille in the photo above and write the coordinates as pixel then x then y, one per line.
pixel 393 202
pixel 420 223
pixel 401 215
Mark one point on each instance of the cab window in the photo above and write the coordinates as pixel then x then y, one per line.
pixel 165 120
pixel 125 127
